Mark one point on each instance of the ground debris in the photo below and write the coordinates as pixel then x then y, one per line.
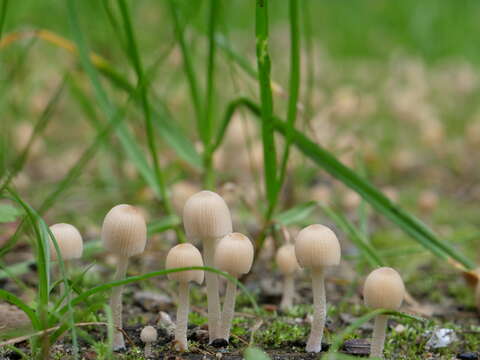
pixel 440 338
pixel 468 356
pixel 358 347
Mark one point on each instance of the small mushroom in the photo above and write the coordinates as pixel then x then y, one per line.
pixel 124 234
pixel 316 248
pixel 206 217
pixel 288 265
pixel 234 255
pixel 70 244
pixel 148 336
pixel 183 255
pixel 383 289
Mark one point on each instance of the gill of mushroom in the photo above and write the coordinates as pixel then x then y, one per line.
pixel 70 244
pixel 316 248
pixel 234 255
pixel 288 266
pixel 183 255
pixel 383 289
pixel 206 217
pixel 148 336
pixel 124 234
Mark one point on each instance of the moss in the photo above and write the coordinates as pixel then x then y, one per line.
pixel 281 333
pixel 195 318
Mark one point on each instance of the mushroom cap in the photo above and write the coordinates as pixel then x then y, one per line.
pixel 316 246
pixel 185 255
pixel 234 254
pixel 124 231
pixel 69 241
pixel 384 289
pixel 286 259
pixel 206 216
pixel 148 334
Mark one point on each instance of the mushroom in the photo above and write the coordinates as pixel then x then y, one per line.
pixel 183 255
pixel 383 289
pixel 124 234
pixel 148 336
pixel 206 217
pixel 288 265
pixel 316 248
pixel 234 255
pixel 70 244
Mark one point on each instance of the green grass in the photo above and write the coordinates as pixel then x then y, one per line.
pixel 160 92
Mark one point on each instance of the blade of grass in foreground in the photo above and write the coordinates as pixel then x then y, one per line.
pixel 268 141
pixel 419 231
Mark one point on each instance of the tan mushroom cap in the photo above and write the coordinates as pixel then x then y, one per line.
pixel 234 254
pixel 316 246
pixel 206 216
pixel 286 259
pixel 69 241
pixel 384 289
pixel 148 334
pixel 124 231
pixel 185 255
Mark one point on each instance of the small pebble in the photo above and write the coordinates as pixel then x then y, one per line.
pixel 468 356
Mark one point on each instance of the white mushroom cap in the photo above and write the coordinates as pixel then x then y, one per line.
pixel 185 255
pixel 69 241
pixel 206 216
pixel 234 254
pixel 316 246
pixel 148 334
pixel 124 231
pixel 384 289
pixel 286 259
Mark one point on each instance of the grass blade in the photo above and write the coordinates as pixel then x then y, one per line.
pixel 356 236
pixel 12 299
pixel 263 64
pixel 296 214
pixel 403 219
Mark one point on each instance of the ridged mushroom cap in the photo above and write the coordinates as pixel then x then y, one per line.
pixel 124 231
pixel 185 255
pixel 316 246
pixel 206 216
pixel 286 259
pixel 234 254
pixel 384 289
pixel 69 241
pixel 148 334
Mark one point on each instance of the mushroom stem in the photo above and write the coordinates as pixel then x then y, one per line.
pixel 378 337
pixel 116 303
pixel 148 350
pixel 288 292
pixel 314 343
pixel 213 298
pixel 477 296
pixel 182 316
pixel 228 310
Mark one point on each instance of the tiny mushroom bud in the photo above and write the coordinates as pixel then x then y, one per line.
pixel 317 247
pixel 124 233
pixel 206 217
pixel 148 336
pixel 183 255
pixel 234 255
pixel 383 289
pixel 288 266
pixel 69 242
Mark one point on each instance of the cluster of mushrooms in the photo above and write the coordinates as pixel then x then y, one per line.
pixel 206 218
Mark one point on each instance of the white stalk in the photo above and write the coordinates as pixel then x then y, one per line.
pixel 314 343
pixel 148 350
pixel 213 297
pixel 477 296
pixel 182 316
pixel 288 292
pixel 378 337
pixel 116 304
pixel 228 310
